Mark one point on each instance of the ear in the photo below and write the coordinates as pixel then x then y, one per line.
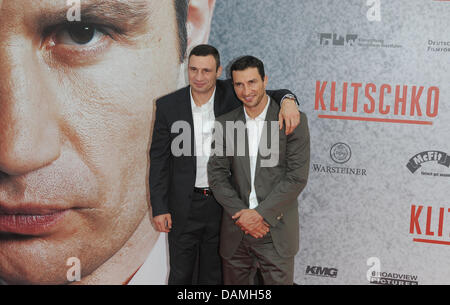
pixel 266 80
pixel 198 24
pixel 219 72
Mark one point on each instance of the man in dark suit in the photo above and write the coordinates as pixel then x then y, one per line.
pixel 182 203
pixel 258 189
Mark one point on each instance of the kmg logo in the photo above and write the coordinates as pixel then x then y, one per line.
pixel 321 271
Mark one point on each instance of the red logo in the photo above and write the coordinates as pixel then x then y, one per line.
pixel 383 103
pixel 424 226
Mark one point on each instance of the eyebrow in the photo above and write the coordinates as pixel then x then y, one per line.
pixel 130 15
pixel 197 68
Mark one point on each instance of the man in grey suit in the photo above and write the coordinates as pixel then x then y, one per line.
pixel 257 178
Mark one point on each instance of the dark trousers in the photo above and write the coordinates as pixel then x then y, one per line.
pixel 197 245
pixel 253 254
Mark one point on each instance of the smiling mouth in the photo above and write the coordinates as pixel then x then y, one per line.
pixel 23 223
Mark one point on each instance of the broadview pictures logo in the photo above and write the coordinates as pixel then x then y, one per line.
pixel 376 276
pixel 393 278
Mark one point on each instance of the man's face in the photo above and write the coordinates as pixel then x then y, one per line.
pixel 250 88
pixel 75 122
pixel 203 73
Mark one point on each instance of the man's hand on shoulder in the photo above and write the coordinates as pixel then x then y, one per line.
pixel 289 114
pixel 163 223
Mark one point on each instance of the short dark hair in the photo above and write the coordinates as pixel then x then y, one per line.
pixel 245 62
pixel 181 10
pixel 205 50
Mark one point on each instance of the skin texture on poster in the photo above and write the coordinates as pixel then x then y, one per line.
pixel 77 103
pixel 78 81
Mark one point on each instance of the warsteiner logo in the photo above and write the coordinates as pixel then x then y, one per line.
pixel 321 271
pixel 438 157
pixel 340 153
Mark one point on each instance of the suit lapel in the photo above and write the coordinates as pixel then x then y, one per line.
pixel 266 134
pixel 245 159
pixel 185 114
pixel 219 103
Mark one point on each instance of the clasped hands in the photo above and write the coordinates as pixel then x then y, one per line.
pixel 248 220
pixel 251 222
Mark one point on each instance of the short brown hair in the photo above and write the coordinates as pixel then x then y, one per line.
pixel 205 50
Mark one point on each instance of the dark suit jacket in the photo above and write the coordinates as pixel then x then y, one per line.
pixel 172 178
pixel 277 187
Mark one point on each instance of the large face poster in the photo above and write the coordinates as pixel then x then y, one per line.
pixel 372 76
pixel 78 83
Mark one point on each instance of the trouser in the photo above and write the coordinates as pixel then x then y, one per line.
pixel 197 245
pixel 254 253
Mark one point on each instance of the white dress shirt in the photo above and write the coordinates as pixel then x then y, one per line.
pixel 204 118
pixel 254 130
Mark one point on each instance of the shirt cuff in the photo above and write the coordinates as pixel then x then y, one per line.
pixel 289 96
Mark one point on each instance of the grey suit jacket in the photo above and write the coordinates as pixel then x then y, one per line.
pixel 277 187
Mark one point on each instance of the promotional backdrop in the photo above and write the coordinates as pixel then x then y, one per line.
pixel 372 77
